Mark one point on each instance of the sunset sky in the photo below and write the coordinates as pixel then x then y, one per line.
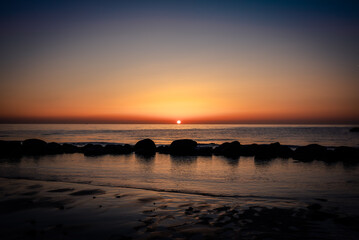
pixel 198 61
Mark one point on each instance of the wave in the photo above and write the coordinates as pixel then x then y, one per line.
pixel 191 192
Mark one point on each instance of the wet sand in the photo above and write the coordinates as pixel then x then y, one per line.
pixel 55 210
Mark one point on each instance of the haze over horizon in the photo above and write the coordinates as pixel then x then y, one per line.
pixel 197 61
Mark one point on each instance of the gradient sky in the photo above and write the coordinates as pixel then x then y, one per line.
pixel 198 61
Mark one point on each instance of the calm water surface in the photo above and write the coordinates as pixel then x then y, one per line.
pixel 327 135
pixel 283 179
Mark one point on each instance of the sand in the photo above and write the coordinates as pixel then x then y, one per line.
pixel 32 209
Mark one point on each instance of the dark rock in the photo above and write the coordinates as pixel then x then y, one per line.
pixel 118 149
pixel 354 129
pixel 183 147
pixel 163 149
pixel 93 150
pixel 346 153
pixel 54 148
pixel 228 149
pixel 285 152
pixel 69 148
pixel 34 146
pixel 310 152
pixel 145 147
pixel 204 151
pixel 314 207
pixel 10 148
pixel 249 150
pixel 267 151
pixel 272 150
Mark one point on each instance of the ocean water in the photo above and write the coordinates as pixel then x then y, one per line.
pixel 296 135
pixel 282 181
pixel 279 182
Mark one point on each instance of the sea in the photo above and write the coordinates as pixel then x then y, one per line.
pixel 294 135
pixel 278 181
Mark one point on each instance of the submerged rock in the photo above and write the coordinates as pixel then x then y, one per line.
pixel 93 150
pixel 163 149
pixel 69 148
pixel 118 149
pixel 346 153
pixel 34 146
pixel 10 148
pixel 228 149
pixel 54 148
pixel 310 152
pixel 183 147
pixel 272 150
pixel 145 147
pixel 249 150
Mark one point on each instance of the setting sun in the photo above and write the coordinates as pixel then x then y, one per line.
pixel 179 122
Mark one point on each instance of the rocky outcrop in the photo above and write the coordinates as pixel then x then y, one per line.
pixel 228 149
pixel 34 147
pixel 145 147
pixel 183 147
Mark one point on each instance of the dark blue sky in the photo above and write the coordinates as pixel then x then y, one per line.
pixel 305 52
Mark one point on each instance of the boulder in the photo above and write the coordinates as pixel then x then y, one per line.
pixel 183 147
pixel 267 151
pixel 54 148
pixel 118 149
pixel 34 146
pixel 228 149
pixel 272 150
pixel 69 148
pixel 10 148
pixel 346 153
pixel 204 151
pixel 249 150
pixel 163 149
pixel 145 147
pixel 93 150
pixel 310 152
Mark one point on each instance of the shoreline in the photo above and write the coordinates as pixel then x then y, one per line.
pixel 183 147
pixel 43 210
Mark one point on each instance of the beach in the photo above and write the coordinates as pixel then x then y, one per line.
pixel 57 210
pixel 179 189
pixel 133 196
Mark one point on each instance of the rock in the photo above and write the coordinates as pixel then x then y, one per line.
pixel 204 151
pixel 346 153
pixel 228 149
pixel 285 152
pixel 118 149
pixel 267 151
pixel 145 147
pixel 354 129
pixel 34 146
pixel 93 150
pixel 272 150
pixel 248 150
pixel 163 149
pixel 54 148
pixel 183 147
pixel 310 152
pixel 69 148
pixel 10 148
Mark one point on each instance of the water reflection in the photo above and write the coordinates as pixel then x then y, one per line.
pixel 183 160
pixel 231 161
pixel 262 162
pixel 145 162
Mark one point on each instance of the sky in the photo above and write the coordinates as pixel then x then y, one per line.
pixel 197 61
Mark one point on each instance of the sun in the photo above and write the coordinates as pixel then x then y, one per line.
pixel 179 122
